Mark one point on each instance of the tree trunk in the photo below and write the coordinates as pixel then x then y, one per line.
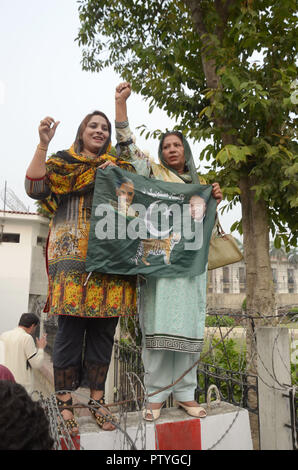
pixel 260 296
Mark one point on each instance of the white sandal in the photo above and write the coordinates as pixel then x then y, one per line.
pixel 196 411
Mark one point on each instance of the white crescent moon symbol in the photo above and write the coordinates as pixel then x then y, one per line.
pixel 151 229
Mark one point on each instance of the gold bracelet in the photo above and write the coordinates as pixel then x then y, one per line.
pixel 42 148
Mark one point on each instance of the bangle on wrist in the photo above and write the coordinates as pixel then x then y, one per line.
pixel 40 147
pixel 121 125
pixel 126 144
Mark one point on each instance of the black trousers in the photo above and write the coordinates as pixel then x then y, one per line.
pixel 82 352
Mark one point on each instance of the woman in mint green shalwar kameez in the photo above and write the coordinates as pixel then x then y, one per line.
pixel 172 311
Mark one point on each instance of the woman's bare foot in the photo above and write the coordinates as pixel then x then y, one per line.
pixel 193 408
pixel 152 406
pixel 190 403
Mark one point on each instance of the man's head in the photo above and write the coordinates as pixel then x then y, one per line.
pixel 29 321
pixel 125 190
pixel 197 207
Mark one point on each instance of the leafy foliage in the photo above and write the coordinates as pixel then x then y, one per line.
pixel 222 358
pixel 226 355
pixel 216 321
pixel 165 49
pixel 41 211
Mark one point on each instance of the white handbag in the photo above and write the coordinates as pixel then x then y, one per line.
pixel 223 249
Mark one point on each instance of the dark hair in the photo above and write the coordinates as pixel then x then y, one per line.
pixel 23 422
pixel 28 319
pixel 121 180
pixel 176 133
pixel 78 143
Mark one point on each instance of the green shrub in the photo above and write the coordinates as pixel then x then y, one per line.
pixel 225 355
pixel 217 320
pixel 293 314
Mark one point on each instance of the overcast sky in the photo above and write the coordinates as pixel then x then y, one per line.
pixel 41 75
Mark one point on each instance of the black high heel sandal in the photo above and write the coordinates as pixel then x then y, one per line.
pixel 101 419
pixel 70 423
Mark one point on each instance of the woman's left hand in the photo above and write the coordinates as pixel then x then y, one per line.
pixel 106 164
pixel 123 91
pixel 216 192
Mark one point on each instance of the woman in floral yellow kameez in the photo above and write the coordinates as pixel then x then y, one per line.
pixel 88 308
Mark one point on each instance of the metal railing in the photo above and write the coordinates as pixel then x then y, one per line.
pixel 233 386
pixel 127 365
pixel 293 400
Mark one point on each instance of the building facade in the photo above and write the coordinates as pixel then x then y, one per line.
pixel 227 285
pixel 23 276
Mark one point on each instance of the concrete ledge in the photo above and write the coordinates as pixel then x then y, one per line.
pixel 225 428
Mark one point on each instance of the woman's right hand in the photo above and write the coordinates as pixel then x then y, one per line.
pixel 47 129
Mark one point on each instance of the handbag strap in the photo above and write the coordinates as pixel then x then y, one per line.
pixel 220 230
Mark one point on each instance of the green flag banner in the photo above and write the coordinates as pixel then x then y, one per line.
pixel 146 226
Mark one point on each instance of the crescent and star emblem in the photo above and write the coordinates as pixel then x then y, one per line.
pixel 149 225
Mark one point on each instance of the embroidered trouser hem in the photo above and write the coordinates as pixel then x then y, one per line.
pixel 82 352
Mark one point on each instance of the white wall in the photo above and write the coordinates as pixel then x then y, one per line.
pixel 16 265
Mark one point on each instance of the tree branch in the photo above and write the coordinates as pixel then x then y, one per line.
pixel 222 8
pixel 208 62
pixel 197 15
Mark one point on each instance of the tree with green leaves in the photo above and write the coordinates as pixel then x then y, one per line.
pixel 197 61
pixel 225 70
